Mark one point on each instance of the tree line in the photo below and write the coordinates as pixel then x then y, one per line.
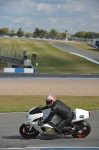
pixel 83 34
pixel 37 33
pixel 43 33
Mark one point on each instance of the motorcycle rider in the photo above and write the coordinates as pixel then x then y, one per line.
pixel 62 110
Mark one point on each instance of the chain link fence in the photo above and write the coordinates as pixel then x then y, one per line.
pixel 12 56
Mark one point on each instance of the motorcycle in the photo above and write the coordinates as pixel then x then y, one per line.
pixel 32 127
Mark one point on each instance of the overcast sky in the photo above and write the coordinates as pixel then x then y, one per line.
pixel 61 15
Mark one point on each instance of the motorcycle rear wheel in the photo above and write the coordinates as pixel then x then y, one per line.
pixel 84 131
pixel 24 131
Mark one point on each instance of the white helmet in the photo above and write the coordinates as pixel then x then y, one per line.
pixel 50 100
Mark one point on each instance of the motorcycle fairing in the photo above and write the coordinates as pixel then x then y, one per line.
pixel 80 114
pixel 32 117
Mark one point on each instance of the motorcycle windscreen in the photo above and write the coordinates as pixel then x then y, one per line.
pixel 46 112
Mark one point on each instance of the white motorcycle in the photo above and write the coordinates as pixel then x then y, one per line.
pixel 32 127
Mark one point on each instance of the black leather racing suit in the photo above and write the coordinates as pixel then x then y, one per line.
pixel 61 110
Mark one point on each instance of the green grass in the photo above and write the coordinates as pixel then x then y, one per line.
pixel 49 58
pixel 24 103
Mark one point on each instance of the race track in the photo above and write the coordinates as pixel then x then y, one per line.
pixel 10 122
pixel 10 137
pixel 72 49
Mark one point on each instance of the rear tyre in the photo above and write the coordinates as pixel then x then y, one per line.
pixel 85 129
pixel 24 131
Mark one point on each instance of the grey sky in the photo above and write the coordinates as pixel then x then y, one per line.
pixel 61 15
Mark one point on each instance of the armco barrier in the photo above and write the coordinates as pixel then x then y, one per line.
pixel 19 70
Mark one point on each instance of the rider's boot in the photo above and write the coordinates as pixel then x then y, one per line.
pixel 65 129
pixel 56 130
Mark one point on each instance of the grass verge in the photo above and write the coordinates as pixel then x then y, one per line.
pixel 49 58
pixel 84 46
pixel 24 103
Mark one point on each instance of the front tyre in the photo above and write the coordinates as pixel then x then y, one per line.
pixel 26 133
pixel 85 129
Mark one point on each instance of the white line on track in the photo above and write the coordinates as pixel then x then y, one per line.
pixel 96 62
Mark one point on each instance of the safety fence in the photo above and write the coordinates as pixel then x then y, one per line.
pixel 12 56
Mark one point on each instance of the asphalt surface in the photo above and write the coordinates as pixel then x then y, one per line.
pixel 10 137
pixel 42 75
pixel 73 49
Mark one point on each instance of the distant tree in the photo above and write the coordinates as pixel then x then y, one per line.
pixel 0 31
pixel 37 32
pixel 12 32
pixel 44 33
pixel 4 31
pixel 84 34
pixel 97 35
pixel 53 33
pixel 81 34
pixel 20 32
pixel 92 35
pixel 40 33
pixel 63 35
pixel 60 35
pixel 28 34
pixel 88 35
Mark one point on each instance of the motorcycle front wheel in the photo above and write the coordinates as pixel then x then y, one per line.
pixel 84 130
pixel 26 133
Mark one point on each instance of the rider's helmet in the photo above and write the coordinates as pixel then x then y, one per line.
pixel 50 100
